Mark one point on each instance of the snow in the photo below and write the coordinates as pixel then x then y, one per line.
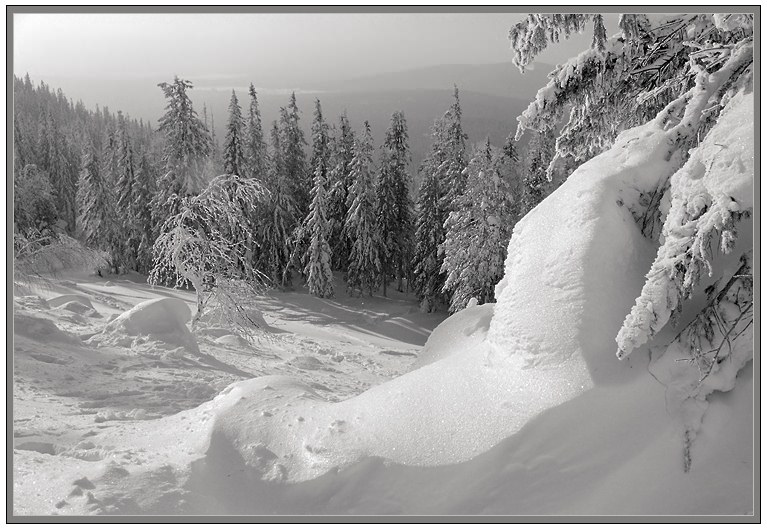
pixel 162 319
pixel 514 408
pixel 40 328
pixel 575 265
pixel 463 331
pixel 717 180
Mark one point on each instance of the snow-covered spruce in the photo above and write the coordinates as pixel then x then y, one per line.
pixel 293 156
pixel 706 260
pixel 395 216
pixel 429 234
pixel 442 183
pixel 187 145
pixel 234 153
pixel 621 82
pixel 280 217
pixel 361 227
pixel 255 146
pixel 478 230
pixel 319 276
pixel 96 209
pixel 340 180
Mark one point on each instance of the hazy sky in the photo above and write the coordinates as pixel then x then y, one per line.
pixel 275 49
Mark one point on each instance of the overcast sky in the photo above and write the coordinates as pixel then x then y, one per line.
pixel 277 49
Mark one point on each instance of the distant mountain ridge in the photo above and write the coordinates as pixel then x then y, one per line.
pixel 500 79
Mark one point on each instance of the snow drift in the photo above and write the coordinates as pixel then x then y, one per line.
pixel 464 331
pixel 163 320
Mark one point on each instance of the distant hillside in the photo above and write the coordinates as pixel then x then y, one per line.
pixel 501 79
pixel 492 96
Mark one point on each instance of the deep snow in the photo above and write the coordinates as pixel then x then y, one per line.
pixel 515 408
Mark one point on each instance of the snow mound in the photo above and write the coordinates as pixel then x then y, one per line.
pixel 463 331
pixel 40 329
pixel 67 298
pixel 577 262
pixel 75 303
pixel 162 320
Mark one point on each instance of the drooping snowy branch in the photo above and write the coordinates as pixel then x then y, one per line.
pixel 710 195
pixel 207 244
pixel 620 82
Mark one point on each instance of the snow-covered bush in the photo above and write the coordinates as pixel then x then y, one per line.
pixel 208 245
pixel 34 203
pixel 37 257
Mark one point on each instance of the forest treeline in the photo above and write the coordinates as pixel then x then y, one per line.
pixel 331 202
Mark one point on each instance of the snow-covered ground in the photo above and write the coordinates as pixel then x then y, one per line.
pixel 88 365
pixel 338 407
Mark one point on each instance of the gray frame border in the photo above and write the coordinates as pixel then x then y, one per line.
pixel 11 518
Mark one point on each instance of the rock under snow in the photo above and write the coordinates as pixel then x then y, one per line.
pixel 68 298
pixel 40 329
pixel 162 319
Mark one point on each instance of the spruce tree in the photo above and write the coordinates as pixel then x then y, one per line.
pixel 234 156
pixel 144 190
pixel 338 189
pixel 393 202
pixel 187 145
pixel 443 181
pixel 317 270
pixel 452 148
pixel 536 183
pixel 96 208
pixel 429 234
pixel 125 184
pixel 280 217
pixel 361 226
pixel 478 231
pixel 294 158
pixel 58 160
pixel 255 148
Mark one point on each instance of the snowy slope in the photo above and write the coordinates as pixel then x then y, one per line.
pixel 527 411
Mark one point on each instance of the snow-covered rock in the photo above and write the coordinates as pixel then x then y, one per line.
pixel 163 320
pixel 67 298
pixel 40 329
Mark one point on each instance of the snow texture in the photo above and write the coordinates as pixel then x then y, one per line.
pixel 575 265
pixel 716 182
pixel 162 319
